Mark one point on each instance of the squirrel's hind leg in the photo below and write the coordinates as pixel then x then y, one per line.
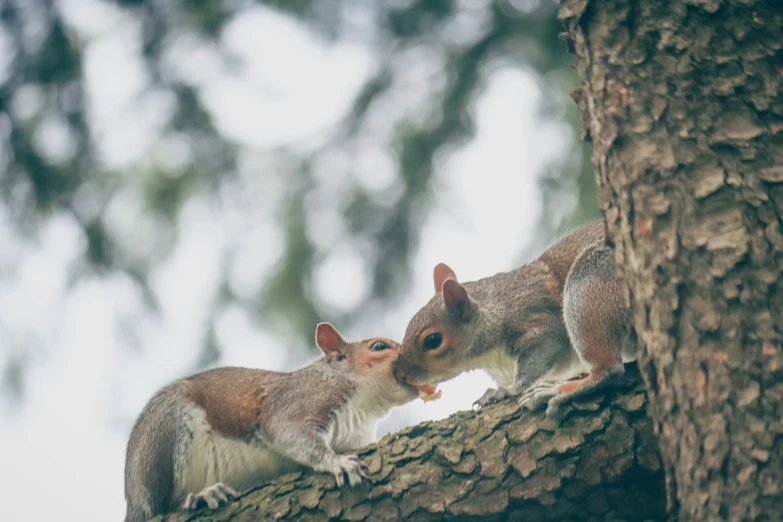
pixel 558 393
pixel 538 394
pixel 597 321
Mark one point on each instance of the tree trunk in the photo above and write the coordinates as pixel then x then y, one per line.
pixel 599 463
pixel 683 101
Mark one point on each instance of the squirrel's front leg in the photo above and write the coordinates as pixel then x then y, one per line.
pixel 536 355
pixel 308 446
pixel 495 395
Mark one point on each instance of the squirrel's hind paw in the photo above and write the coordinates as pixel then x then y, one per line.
pixel 533 398
pixel 214 496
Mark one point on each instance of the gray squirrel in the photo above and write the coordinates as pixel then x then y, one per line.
pixel 202 439
pixel 517 326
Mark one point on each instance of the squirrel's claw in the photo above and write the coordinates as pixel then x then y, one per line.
pixel 214 496
pixel 348 466
pixel 491 396
pixel 533 398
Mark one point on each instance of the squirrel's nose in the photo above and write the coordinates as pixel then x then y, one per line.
pixel 399 371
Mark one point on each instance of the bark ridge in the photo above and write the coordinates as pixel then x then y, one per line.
pixel 683 101
pixel 599 462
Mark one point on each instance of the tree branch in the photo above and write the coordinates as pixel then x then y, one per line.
pixel 599 462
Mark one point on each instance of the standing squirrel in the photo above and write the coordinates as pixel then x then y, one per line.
pixel 517 325
pixel 203 438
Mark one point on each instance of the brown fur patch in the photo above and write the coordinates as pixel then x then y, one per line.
pixel 595 325
pixel 554 285
pixel 560 256
pixel 571 387
pixel 233 398
pixel 440 355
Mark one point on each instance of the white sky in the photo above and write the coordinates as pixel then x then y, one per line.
pixel 86 386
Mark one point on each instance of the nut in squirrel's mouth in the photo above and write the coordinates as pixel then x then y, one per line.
pixel 429 392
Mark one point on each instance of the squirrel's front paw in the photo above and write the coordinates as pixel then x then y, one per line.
pixel 350 466
pixel 491 396
pixel 213 496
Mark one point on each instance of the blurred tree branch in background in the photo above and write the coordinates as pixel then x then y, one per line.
pixel 53 161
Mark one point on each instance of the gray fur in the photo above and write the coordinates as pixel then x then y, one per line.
pixel 608 306
pixel 532 315
pixel 509 306
pixel 299 424
pixel 149 459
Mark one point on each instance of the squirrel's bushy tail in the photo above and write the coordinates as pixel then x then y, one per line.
pixel 149 460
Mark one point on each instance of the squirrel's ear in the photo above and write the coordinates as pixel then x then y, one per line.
pixel 441 274
pixel 329 339
pixel 457 301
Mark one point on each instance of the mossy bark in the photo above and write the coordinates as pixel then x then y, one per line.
pixel 683 101
pixel 600 462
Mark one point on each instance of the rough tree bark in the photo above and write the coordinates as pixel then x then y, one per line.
pixel 683 101
pixel 600 462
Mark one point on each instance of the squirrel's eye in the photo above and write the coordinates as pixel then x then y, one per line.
pixel 378 346
pixel 433 341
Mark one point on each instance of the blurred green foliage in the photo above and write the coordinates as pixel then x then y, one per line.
pixel 45 54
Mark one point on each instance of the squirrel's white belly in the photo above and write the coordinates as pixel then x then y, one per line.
pixel 210 458
pixel 498 364
pixel 352 427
